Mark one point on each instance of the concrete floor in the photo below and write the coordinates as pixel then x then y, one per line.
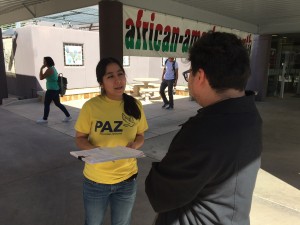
pixel 40 183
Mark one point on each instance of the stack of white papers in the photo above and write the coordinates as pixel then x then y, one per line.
pixel 104 154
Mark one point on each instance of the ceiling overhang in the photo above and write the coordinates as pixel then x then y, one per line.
pixel 256 16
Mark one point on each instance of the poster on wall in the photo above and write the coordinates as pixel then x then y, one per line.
pixel 73 54
pixel 148 33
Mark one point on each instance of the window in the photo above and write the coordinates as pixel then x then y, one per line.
pixel 126 61
pixel 163 60
pixel 73 54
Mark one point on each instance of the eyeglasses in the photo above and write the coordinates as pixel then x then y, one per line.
pixel 186 74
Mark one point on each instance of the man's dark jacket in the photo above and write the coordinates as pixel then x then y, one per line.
pixel 209 173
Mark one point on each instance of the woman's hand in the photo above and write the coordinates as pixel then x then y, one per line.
pixel 138 142
pixel 47 72
pixel 132 145
pixel 82 141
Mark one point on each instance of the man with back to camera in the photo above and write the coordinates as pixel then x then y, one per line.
pixel 169 79
pixel 209 172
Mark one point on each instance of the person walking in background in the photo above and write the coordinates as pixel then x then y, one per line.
pixel 209 172
pixel 169 79
pixel 52 93
pixel 109 120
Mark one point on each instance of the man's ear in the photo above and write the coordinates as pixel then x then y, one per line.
pixel 201 76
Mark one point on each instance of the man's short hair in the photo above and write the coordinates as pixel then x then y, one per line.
pixel 224 60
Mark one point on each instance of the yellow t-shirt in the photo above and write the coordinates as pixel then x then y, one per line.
pixel 107 125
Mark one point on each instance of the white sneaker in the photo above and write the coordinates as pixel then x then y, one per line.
pixel 67 119
pixel 42 121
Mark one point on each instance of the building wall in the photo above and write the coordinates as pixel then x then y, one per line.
pixel 152 67
pixel 34 42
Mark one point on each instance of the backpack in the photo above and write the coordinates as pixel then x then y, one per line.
pixel 173 65
pixel 62 84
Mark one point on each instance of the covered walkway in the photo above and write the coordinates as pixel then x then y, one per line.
pixel 42 184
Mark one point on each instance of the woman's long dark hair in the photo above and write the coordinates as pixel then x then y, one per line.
pixel 49 61
pixel 130 103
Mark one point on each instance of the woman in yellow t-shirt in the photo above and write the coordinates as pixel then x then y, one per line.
pixel 108 120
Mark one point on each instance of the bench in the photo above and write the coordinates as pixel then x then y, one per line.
pixel 135 88
pixel 182 90
pixel 73 94
pixel 41 95
pixel 129 89
pixel 149 93
pixel 154 85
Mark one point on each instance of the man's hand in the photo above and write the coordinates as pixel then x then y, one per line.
pixel 43 66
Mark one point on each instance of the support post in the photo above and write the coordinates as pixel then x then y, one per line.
pixel 110 29
pixel 3 82
pixel 259 62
